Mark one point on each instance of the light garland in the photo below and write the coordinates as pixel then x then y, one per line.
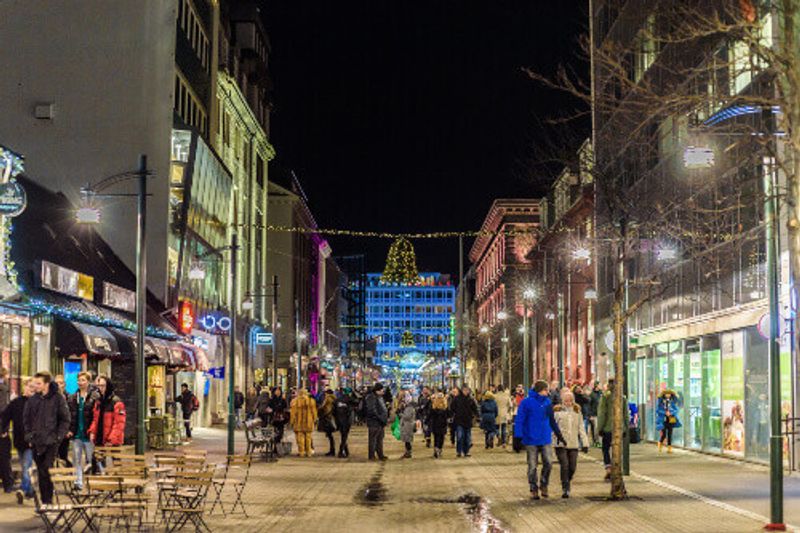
pixel 389 235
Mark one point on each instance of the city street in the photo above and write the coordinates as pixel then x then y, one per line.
pixel 486 492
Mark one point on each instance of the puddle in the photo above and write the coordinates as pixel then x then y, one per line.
pixel 374 493
pixel 476 508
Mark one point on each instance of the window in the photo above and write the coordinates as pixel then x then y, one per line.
pixel 189 22
pixel 188 106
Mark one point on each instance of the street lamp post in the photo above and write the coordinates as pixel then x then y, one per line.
pixel 486 331
pixel 527 296
pixel 90 214
pixel 506 356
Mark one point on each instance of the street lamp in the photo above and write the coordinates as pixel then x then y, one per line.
pixel 528 296
pixel 487 331
pixel 502 316
pixel 248 305
pixel 90 214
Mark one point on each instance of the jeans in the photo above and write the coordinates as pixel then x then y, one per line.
pixel 44 461
pixel 463 439
pixel 238 412
pixel 503 428
pixel 438 440
pixel 5 464
pixel 26 461
pixel 607 449
pixel 375 441
pixel 666 433
pixel 533 453
pixel 489 438
pixel 591 428
pixel 82 452
pixel 187 423
pixel 568 460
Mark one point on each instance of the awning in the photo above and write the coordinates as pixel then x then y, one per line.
pixel 127 342
pixel 198 355
pixel 179 356
pixel 75 338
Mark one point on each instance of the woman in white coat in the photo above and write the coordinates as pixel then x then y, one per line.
pixel 570 421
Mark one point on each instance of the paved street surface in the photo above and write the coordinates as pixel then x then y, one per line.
pixel 487 492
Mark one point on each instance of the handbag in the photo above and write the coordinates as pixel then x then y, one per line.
pixel 671 419
pixel 635 436
pixel 396 428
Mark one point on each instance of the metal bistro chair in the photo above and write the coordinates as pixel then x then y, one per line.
pixel 185 501
pixel 238 474
pixel 58 517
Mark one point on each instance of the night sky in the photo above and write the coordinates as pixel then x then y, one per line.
pixel 413 116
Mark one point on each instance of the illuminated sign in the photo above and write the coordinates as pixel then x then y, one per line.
pixel 185 317
pixel 263 338
pixel 13 199
pixel 216 322
pixel 59 279
pixel 452 331
pixel 118 297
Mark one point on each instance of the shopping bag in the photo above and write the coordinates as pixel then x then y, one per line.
pixel 396 427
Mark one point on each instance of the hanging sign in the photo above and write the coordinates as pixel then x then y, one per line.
pixel 218 372
pixel 13 199
pixel 185 317
pixel 263 338
pixel 215 323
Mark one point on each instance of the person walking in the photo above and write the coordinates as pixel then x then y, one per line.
pixel 262 408
pixel 438 422
pixel 63 448
pixel 189 404
pixel 594 405
pixel 407 411
pixel 46 422
pixel 489 412
pixel 667 419
pixel 326 422
pixel 6 475
pixel 303 419
pixel 570 421
pixel 108 418
pixel 376 416
pixel 464 411
pixel 555 393
pixel 13 416
pixel 503 400
pixel 81 409
pixel 278 412
pixel 423 410
pixel 535 425
pixel 238 404
pixel 455 391
pixel 605 423
pixel 250 402
pixel 343 414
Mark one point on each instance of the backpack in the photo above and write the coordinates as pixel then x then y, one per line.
pixel 195 403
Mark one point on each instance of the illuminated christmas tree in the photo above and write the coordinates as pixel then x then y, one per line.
pixel 401 264
pixel 407 340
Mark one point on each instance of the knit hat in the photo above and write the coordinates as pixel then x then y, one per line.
pixel 539 386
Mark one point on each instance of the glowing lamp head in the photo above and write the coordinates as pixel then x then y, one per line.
pixel 698 157
pixel 590 294
pixel 666 254
pixel 247 304
pixel 582 253
pixel 302 335
pixel 502 315
pixel 197 272
pixel 529 294
pixel 87 215
pixel 484 329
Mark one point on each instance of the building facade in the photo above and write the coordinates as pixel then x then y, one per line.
pixel 503 270
pixel 413 326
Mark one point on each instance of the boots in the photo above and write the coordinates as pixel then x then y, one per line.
pixel 543 490
pixel 437 452
pixel 427 442
pixel 660 445
pixel 608 474
pixel 342 453
pixel 346 450
pixel 669 449
pixel 565 490
pixel 407 455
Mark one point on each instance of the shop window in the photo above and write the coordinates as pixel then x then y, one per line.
pixel 733 413
pixel 712 393
pixel 756 396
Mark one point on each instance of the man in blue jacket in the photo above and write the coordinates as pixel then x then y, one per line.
pixel 535 425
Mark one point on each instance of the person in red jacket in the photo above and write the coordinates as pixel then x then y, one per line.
pixel 108 422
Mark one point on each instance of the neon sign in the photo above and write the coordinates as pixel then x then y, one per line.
pixel 216 322
pixel 185 317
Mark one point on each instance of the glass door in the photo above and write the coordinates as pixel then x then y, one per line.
pixel 693 404
pixel 712 394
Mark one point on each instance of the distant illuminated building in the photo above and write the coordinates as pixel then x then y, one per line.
pixel 410 322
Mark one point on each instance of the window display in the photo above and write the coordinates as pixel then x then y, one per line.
pixel 733 424
pixel 712 394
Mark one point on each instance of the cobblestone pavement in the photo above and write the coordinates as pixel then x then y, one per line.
pixel 485 492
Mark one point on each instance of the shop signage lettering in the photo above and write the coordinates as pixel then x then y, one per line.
pixel 59 279
pixel 119 298
pixel 216 322
pixel 185 317
pixel 217 372
pixel 13 199
pixel 263 338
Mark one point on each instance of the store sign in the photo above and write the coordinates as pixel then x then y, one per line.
pixel 59 279
pixel 216 322
pixel 217 372
pixel 263 338
pixel 13 199
pixel 119 298
pixel 185 317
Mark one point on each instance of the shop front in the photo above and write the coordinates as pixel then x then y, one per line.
pixel 722 383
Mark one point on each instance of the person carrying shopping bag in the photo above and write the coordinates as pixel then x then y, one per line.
pixel 667 411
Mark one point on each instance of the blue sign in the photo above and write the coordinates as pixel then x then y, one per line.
pixel 263 338
pixel 217 372
pixel 12 199
pixel 216 323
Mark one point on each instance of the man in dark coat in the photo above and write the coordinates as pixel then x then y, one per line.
pixel 5 443
pixel 46 421
pixel 13 415
pixel 464 411
pixel 189 404
pixel 343 413
pixel 377 416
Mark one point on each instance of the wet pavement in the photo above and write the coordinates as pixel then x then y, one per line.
pixel 487 492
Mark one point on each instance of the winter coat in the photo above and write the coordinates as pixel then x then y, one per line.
pixel 464 410
pixel 594 402
pixel 114 415
pixel 343 411
pixel 14 414
pixel 187 399
pixel 279 407
pixel 376 413
pixel 423 408
pixel 5 395
pixel 408 421
pixel 535 423
pixel 666 408
pixel 238 399
pixel 437 421
pixel 262 402
pixel 46 419
pixel 325 413
pixel 489 413
pixel 250 402
pixel 582 401
pixel 92 396
pixel 303 412
pixel 555 396
pixel 605 420
pixel 504 407
pixel 570 422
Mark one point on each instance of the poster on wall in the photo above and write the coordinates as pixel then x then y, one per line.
pixel 733 393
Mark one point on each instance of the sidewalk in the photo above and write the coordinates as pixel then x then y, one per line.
pixel 486 492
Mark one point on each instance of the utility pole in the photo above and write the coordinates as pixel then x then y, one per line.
pixel 232 355
pixel 140 373
pixel 526 380
pixel 298 344
pixel 274 323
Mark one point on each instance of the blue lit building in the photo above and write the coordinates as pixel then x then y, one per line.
pixel 396 314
